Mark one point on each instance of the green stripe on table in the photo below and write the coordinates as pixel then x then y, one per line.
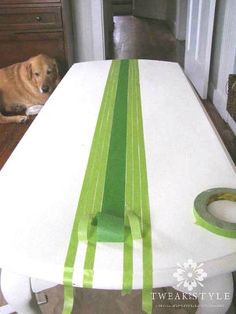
pixel 115 170
pixel 136 197
pixel 137 189
pixel 90 200
pixel 114 192
pixel 145 214
pixel 115 187
pixel 100 166
pixel 131 182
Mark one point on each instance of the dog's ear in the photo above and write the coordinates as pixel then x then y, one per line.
pixel 29 70
pixel 56 71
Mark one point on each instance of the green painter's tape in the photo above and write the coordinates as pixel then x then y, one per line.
pixel 89 260
pixel 146 218
pixel 136 196
pixel 127 263
pixel 115 189
pixel 97 169
pixel 111 199
pixel 208 221
pixel 68 299
pixel 131 187
pixel 90 200
pixel 110 228
pixel 84 227
pixel 135 225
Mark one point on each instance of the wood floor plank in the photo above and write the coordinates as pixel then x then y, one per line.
pixel 10 135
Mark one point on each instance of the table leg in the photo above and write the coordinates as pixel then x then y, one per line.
pixel 18 294
pixel 216 295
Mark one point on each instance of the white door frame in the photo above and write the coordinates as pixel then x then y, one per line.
pixel 98 29
pixel 89 38
pixel 200 23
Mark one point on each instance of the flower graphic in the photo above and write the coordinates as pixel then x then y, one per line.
pixel 190 275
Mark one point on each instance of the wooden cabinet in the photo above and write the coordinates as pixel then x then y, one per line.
pixel 30 27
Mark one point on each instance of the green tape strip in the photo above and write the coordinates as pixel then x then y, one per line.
pixel 115 168
pixel 146 219
pixel 135 225
pixel 89 260
pixel 137 201
pixel 68 299
pixel 115 182
pixel 110 228
pixel 90 200
pixel 205 219
pixel 114 191
pixel 84 227
pixel 127 263
pixel 128 243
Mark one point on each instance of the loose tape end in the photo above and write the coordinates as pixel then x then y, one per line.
pixel 84 227
pixel 135 225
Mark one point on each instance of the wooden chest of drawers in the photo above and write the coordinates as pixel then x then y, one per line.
pixel 30 27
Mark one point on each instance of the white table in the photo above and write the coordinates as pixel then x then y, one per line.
pixel 40 186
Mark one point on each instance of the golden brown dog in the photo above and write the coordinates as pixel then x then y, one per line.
pixel 26 84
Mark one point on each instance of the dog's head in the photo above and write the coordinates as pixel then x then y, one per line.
pixel 42 71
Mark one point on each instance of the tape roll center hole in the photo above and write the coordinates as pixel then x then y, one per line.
pixel 223 210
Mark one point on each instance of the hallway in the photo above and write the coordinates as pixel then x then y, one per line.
pixel 143 38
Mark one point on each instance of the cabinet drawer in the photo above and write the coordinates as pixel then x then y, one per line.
pixel 28 1
pixel 30 18
pixel 17 47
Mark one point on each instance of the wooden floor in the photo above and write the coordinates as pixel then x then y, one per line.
pixel 145 39
pixel 10 135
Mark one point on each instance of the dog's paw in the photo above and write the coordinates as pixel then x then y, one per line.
pixel 22 119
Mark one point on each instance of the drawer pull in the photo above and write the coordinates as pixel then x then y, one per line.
pixel 38 18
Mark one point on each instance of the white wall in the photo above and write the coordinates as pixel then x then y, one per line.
pixel 176 17
pixel 108 26
pixel 223 57
pixel 155 9
pixel 181 19
pixel 171 14
pixel 89 38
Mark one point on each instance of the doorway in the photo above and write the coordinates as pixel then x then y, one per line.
pixel 142 38
pixel 155 30
pixel 146 38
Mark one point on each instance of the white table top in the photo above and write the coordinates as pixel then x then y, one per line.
pixel 41 181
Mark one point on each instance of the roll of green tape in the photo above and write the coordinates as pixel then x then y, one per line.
pixel 208 221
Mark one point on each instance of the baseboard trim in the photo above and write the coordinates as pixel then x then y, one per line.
pixel 122 9
pixel 172 26
pixel 219 100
